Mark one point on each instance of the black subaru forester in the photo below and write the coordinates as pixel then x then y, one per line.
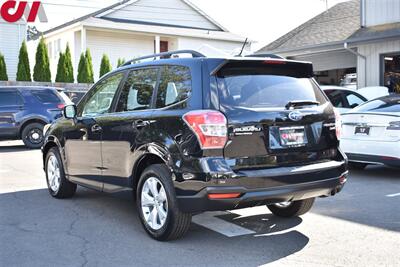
pixel 195 134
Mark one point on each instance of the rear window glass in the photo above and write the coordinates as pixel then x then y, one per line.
pixel 266 91
pixel 46 96
pixel 387 104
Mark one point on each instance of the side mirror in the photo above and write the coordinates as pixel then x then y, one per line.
pixel 69 112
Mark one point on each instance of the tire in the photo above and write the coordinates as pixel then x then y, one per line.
pixel 295 208
pixel 176 223
pixel 65 188
pixel 357 165
pixel 32 135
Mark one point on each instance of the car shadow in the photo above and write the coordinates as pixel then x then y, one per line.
pixel 102 228
pixel 13 146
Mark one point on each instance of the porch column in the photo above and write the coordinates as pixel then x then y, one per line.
pixel 83 40
pixel 157 44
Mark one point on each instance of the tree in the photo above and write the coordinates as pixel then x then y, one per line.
pixel 61 70
pixel 83 70
pixel 69 69
pixel 105 66
pixel 23 70
pixel 3 69
pixel 90 65
pixel 41 71
pixel 121 61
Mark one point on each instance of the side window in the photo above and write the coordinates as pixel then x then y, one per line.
pixel 99 102
pixel 138 90
pixel 175 85
pixel 46 96
pixel 10 98
pixel 335 96
pixel 354 100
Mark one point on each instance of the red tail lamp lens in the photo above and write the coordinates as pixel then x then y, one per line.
pixel 210 127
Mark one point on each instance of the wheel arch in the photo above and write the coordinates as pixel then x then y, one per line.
pixel 50 143
pixel 29 121
pixel 149 154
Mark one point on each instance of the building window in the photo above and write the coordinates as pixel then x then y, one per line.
pixel 391 72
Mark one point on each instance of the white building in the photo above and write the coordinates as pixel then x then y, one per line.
pixel 135 28
pixel 11 37
pixel 361 36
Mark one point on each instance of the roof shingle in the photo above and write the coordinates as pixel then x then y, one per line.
pixel 336 24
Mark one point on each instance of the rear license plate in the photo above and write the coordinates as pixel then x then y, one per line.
pixel 293 136
pixel 361 130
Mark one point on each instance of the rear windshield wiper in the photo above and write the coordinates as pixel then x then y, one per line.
pixel 299 103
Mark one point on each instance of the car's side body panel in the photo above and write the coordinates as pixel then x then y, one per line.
pixel 110 160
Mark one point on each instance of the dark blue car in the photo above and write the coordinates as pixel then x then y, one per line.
pixel 24 111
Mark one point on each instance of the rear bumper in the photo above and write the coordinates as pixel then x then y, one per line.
pixel 374 159
pixel 262 187
pixel 249 198
pixel 374 152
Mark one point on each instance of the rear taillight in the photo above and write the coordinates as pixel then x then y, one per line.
pixel 338 123
pixel 60 106
pixel 209 126
pixel 394 125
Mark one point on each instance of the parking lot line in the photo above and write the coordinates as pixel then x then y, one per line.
pixel 393 195
pixel 221 226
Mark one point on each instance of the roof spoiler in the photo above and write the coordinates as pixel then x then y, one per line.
pixel 272 66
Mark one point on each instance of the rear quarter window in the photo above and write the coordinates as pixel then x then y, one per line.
pixel 175 85
pixel 46 96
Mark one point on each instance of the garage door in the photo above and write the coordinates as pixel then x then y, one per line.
pixel 330 60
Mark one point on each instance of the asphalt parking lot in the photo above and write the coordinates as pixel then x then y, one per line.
pixel 358 227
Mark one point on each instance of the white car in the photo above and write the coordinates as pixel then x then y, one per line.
pixel 343 99
pixel 370 133
pixel 349 81
pixel 373 92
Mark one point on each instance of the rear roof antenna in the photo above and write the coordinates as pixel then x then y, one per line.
pixel 244 45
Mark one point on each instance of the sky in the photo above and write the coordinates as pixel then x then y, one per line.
pixel 262 21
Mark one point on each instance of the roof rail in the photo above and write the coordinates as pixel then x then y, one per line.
pixel 166 55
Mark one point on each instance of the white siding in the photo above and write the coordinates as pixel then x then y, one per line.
pixel 58 43
pixel 173 12
pixel 211 47
pixel 117 45
pixel 330 60
pixel 373 64
pixel 381 12
pixel 11 37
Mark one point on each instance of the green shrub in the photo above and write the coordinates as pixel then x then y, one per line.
pixel 61 71
pixel 83 70
pixel 90 66
pixel 41 71
pixel 23 70
pixel 121 61
pixel 105 66
pixel 69 68
pixel 3 69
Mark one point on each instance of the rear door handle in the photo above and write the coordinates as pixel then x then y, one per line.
pixel 96 128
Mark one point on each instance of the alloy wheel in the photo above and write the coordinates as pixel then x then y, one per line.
pixel 53 173
pixel 154 203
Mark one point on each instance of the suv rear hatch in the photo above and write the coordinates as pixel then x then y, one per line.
pixel 276 113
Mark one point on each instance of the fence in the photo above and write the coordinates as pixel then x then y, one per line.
pixel 67 86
